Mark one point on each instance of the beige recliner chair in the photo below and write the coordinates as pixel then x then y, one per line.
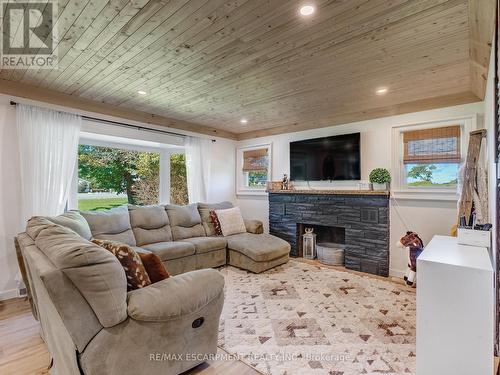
pixel 93 326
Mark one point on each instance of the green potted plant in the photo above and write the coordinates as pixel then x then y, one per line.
pixel 380 178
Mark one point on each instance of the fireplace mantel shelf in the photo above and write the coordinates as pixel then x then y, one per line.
pixel 331 192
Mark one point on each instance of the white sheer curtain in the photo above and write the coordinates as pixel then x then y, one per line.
pixel 48 146
pixel 198 154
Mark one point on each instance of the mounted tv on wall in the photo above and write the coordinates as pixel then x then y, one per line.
pixel 335 158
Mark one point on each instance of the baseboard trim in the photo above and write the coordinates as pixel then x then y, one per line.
pixel 8 294
pixel 396 273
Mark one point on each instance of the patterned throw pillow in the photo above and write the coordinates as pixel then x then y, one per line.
pixel 216 223
pixel 137 277
pixel 154 267
pixel 231 221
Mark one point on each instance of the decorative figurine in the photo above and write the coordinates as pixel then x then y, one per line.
pixel 285 182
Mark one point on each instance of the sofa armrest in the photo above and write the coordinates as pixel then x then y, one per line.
pixel 176 296
pixel 254 226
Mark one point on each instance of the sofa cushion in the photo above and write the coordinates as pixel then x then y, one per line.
pixel 204 210
pixel 254 226
pixel 206 244
pixel 150 224
pixel 231 221
pixel 185 221
pixel 171 250
pixel 154 267
pixel 137 276
pixel 74 221
pixel 259 247
pixel 113 224
pixel 176 296
pixel 70 303
pixel 95 272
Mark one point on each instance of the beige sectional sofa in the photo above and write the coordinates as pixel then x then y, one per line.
pixel 89 321
pixel 184 237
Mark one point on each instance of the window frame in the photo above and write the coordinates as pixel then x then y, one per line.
pixel 164 152
pixel 241 178
pixel 400 189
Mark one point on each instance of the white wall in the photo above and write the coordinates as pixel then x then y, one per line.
pixel 222 185
pixel 427 218
pixel 222 176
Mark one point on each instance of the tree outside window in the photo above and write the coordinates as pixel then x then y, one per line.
pixel 109 177
pixel 178 179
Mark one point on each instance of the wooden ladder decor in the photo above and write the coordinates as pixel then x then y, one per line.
pixel 469 183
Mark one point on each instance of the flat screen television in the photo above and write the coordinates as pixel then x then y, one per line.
pixel 333 158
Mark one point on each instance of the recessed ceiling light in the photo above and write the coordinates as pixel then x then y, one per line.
pixel 307 10
pixel 142 92
pixel 382 91
pixel 244 121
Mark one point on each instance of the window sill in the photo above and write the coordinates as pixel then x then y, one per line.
pixel 262 192
pixel 426 194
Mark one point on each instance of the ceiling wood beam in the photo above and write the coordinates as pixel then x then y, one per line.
pixel 370 114
pixel 56 98
pixel 481 27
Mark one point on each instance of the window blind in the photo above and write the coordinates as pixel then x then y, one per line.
pixel 436 145
pixel 255 160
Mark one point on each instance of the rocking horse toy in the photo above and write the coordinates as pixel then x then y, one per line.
pixel 415 247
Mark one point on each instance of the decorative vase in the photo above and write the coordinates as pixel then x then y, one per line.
pixel 377 186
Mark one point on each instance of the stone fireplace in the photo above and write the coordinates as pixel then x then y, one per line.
pixel 358 219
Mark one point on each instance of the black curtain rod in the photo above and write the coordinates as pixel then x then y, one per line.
pixel 122 124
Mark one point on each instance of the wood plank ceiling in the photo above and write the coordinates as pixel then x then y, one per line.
pixel 209 63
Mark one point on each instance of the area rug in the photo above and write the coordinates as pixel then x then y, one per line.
pixel 301 318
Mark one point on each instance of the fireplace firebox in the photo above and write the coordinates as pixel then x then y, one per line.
pixel 323 233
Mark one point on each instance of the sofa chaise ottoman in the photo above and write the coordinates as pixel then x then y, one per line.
pixel 256 252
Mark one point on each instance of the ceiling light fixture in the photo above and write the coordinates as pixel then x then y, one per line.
pixel 244 121
pixel 382 91
pixel 307 10
pixel 142 92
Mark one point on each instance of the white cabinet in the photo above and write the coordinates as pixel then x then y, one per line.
pixel 455 309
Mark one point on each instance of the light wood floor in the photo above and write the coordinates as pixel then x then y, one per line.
pixel 22 351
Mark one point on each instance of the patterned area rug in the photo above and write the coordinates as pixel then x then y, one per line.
pixel 304 319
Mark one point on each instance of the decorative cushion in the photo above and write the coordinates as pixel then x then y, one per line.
pixel 74 221
pixel 231 221
pixel 137 277
pixel 154 267
pixel 185 221
pixel 150 224
pixel 215 223
pixel 113 225
pixel 204 210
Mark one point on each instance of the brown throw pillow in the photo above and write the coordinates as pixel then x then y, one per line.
pixel 154 267
pixel 216 223
pixel 137 277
